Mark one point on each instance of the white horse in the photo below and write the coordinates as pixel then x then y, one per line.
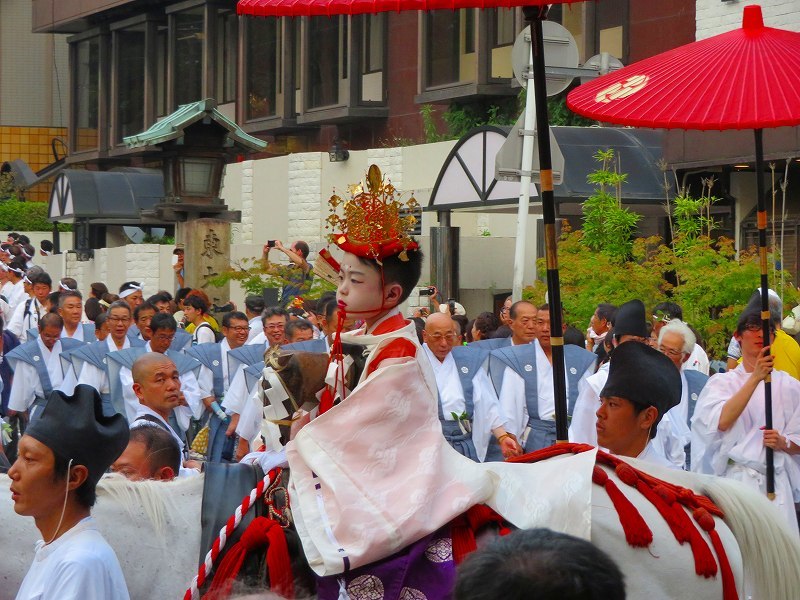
pixel 154 527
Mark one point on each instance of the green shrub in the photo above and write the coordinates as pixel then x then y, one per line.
pixel 26 216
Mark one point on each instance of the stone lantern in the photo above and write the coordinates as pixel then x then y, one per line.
pixel 193 145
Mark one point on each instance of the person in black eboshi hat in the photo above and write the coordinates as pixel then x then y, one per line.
pixel 630 323
pixel 642 386
pixel 62 456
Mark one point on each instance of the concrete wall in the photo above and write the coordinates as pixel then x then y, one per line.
pixel 714 17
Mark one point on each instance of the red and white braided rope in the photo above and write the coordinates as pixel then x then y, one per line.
pixel 233 522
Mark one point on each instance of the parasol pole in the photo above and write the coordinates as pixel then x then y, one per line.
pixel 535 15
pixel 765 317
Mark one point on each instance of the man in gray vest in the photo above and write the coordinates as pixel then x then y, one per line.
pixel 120 366
pixel 673 440
pixel 468 407
pixel 522 322
pixel 523 378
pixel 37 366
pixel 214 378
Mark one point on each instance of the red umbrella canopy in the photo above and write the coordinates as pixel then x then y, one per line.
pixel 748 78
pixel 316 8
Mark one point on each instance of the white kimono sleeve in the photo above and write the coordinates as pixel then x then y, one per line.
pixel 582 428
pixel 131 400
pixel 25 387
pixel 512 402
pixel 237 393
pixel 487 413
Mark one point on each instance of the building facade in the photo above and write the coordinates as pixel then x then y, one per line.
pixel 34 97
pixel 304 83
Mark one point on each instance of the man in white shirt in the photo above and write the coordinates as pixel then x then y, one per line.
pixel 523 378
pixel 663 313
pixel 29 311
pixel 14 289
pixel 274 324
pixel 62 456
pixel 37 366
pixel 729 438
pixel 214 380
pixel 642 386
pixel 468 407
pixel 89 364
pixel 629 325
pixel 253 308
pixel 70 307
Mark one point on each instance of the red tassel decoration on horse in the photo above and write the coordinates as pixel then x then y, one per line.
pixel 706 522
pixel 261 532
pixel 637 533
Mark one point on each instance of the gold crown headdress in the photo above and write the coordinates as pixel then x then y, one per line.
pixel 373 224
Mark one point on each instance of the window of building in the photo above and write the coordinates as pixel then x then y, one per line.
pixel 326 58
pixel 162 58
pixel 189 35
pixel 372 41
pixel 505 31
pixel 129 69
pixel 442 45
pixel 87 78
pixel 263 68
pixel 227 55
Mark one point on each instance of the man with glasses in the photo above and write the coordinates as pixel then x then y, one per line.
pixel 274 321
pixel 663 313
pixel 468 408
pixel 523 378
pixel 89 362
pixel 676 341
pixel 728 433
pixel 214 379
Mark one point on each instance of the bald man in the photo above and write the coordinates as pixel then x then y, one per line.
pixel 468 407
pixel 157 385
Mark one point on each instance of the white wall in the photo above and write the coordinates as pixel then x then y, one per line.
pixel 714 17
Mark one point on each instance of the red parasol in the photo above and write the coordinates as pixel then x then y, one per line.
pixel 322 8
pixel 535 12
pixel 744 79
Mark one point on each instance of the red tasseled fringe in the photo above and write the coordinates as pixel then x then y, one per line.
pixel 463 529
pixel 669 499
pixel 261 532
pixel 637 533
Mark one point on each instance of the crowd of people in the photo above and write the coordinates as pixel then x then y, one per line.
pixel 186 383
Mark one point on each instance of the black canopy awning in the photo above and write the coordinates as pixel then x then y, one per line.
pixel 105 197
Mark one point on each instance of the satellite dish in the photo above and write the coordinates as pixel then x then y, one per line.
pixel 136 234
pixel 560 50
pixel 602 63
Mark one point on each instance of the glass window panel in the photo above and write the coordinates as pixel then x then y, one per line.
pixel 323 62
pixel 504 30
pixel 161 71
pixel 442 47
pixel 189 37
pixel 469 30
pixel 227 49
pixel 263 67
pixel 196 175
pixel 87 72
pixel 130 57
pixel 372 43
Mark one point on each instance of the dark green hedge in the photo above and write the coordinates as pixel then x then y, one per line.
pixel 26 216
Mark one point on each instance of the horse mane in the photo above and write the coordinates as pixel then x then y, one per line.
pixel 154 498
pixel 770 552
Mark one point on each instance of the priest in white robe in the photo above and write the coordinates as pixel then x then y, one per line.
pixel 728 434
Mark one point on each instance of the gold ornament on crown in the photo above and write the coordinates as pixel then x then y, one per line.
pixel 373 217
